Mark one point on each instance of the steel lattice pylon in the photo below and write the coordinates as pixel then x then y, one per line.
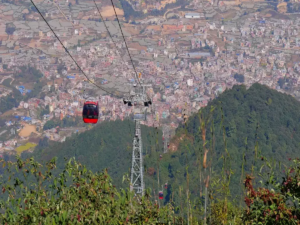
pixel 134 99
pixel 137 177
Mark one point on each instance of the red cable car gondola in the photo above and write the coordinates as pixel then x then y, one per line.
pixel 161 195
pixel 166 185
pixel 90 112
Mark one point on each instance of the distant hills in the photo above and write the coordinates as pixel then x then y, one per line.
pixel 257 121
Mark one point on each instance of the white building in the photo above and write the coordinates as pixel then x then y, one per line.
pixel 192 15
pixel 75 104
pixel 190 82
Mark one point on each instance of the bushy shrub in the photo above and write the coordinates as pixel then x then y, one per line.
pixel 32 194
pixel 274 206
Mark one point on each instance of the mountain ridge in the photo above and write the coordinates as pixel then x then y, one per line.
pixel 277 137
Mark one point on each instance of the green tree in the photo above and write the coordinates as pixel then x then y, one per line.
pixel 60 68
pixel 10 28
pixel 239 77
pixel 76 195
pixel 45 111
pixel 276 205
pixel 241 127
pixel 10 101
pixel 49 125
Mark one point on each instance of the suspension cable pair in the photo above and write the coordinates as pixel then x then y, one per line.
pixel 66 50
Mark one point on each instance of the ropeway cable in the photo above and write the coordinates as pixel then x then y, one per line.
pixel 105 25
pixel 112 41
pixel 125 43
pixel 66 50
pixel 110 33
pixel 127 47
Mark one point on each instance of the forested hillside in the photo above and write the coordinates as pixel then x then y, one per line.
pixel 107 145
pixel 258 114
pixel 241 132
pixel 256 122
pixel 258 117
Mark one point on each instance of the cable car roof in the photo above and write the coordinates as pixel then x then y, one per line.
pixel 90 102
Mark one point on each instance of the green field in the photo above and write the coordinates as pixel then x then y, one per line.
pixel 23 148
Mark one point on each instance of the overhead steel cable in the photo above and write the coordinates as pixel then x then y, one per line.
pixel 107 29
pixel 104 23
pixel 110 38
pixel 113 5
pixel 137 77
pixel 69 52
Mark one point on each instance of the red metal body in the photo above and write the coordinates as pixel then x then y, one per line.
pixel 161 195
pixel 90 112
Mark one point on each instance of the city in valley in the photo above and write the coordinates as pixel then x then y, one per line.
pixel 187 51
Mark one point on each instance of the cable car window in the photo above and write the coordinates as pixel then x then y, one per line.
pixel 90 109
pixel 90 106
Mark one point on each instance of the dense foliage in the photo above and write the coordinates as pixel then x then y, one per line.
pixel 28 74
pixel 129 11
pixel 234 135
pixel 32 194
pixel 75 196
pixel 255 120
pixel 10 101
pixel 274 206
pixel 10 28
pixel 44 111
pixel 25 74
pixel 107 145
pixel 239 77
